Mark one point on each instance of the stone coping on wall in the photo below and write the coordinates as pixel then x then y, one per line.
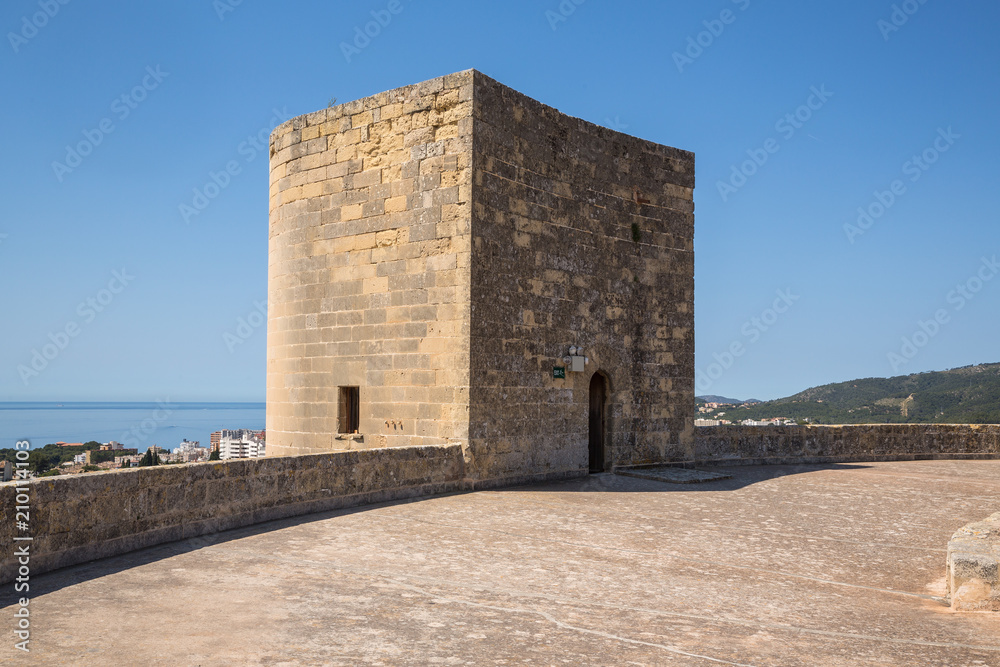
pixel 78 518
pixel 974 566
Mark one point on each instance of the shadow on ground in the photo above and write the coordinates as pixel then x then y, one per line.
pixel 739 477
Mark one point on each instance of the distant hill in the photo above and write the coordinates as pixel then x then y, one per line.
pixel 968 395
pixel 712 398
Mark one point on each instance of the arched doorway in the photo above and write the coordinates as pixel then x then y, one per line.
pixel 598 423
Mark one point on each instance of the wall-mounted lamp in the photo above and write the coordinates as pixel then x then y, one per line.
pixel 575 361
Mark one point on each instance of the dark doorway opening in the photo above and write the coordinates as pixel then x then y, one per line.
pixel 598 423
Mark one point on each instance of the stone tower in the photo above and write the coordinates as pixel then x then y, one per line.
pixel 438 251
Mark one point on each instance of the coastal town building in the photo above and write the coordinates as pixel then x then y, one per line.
pixel 188 452
pixel 233 434
pixel 241 449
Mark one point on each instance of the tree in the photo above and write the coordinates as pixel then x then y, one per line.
pixel 150 458
pixel 42 463
pixel 214 456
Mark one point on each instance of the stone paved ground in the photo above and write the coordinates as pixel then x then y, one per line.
pixel 783 565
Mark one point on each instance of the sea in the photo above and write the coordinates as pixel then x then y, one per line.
pixel 138 425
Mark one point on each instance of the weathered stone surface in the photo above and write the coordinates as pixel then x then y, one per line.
pixel 441 246
pixel 788 566
pixel 368 270
pixel 974 566
pixel 580 236
pixel 760 445
pixel 75 518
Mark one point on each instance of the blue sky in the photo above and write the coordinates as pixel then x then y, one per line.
pixel 201 79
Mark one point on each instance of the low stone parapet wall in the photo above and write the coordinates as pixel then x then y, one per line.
pixel 76 518
pixel 764 445
pixel 974 566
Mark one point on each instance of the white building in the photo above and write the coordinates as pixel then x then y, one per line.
pixel 246 447
pixel 189 451
pixel 706 422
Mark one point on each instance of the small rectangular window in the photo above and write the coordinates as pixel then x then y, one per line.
pixel 350 409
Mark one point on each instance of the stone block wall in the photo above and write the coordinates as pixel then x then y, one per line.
pixel 441 246
pixel 580 236
pixel 758 445
pixel 368 270
pixel 973 566
pixel 76 518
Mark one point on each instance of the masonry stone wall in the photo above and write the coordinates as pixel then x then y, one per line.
pixel 580 236
pixel 973 566
pixel 368 270
pixel 440 246
pixel 76 518
pixel 759 445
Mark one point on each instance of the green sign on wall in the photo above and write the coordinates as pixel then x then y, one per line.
pixel 559 372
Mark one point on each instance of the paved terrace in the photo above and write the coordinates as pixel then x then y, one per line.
pixel 783 565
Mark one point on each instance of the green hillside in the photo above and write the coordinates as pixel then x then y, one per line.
pixel 969 395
